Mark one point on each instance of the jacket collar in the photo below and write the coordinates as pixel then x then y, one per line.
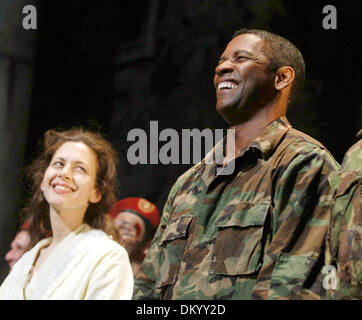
pixel 261 147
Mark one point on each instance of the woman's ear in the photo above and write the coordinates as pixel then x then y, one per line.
pixel 96 196
pixel 284 77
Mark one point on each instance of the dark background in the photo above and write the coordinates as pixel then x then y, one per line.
pixel 117 65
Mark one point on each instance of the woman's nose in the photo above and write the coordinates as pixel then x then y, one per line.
pixel 65 172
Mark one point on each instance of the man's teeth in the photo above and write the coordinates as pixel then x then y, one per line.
pixel 229 85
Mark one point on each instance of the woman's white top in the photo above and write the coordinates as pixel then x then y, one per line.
pixel 87 264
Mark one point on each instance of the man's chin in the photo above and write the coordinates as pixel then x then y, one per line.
pixel 136 253
pixel 228 112
pixel 224 109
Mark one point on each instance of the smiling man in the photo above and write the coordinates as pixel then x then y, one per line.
pixel 18 246
pixel 259 232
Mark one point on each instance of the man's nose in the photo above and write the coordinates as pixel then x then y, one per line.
pixel 9 256
pixel 224 67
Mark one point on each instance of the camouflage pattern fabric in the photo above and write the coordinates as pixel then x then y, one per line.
pixel 255 234
pixel 344 241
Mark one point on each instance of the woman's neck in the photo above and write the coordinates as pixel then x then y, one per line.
pixel 63 223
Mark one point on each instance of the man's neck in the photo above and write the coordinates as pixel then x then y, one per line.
pixel 136 266
pixel 249 130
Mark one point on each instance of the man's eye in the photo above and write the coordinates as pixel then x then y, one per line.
pixel 240 58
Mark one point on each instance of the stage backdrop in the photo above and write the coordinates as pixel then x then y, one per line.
pixel 119 65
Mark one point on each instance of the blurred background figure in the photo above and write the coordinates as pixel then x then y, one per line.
pixel 18 246
pixel 344 239
pixel 135 221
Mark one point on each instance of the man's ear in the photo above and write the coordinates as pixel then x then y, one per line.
pixel 284 77
pixel 141 230
pixel 147 247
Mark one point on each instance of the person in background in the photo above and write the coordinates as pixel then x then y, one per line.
pixel 19 245
pixel 73 189
pixel 344 239
pixel 135 221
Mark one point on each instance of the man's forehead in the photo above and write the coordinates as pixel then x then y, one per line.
pixel 127 216
pixel 246 42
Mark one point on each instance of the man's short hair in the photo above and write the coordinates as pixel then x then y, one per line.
pixel 281 52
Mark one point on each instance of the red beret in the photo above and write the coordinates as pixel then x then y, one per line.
pixel 25 226
pixel 144 208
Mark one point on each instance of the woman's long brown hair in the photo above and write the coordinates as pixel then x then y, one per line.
pixel 37 210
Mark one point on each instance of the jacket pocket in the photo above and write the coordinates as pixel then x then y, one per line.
pixel 289 276
pixel 238 244
pixel 172 245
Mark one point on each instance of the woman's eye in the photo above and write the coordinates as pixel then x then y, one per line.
pixel 57 164
pixel 81 169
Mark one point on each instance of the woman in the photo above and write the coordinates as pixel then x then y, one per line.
pixel 73 190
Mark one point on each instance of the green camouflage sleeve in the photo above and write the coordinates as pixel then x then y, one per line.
pixel 344 241
pixel 299 223
pixel 145 287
